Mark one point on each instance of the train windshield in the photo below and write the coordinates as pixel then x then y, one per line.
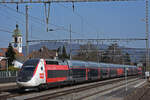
pixel 27 70
pixel 31 62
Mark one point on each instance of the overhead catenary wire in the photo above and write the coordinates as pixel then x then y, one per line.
pixel 3 30
pixel 83 20
pixel 56 1
pixel 61 27
pixel 40 21
pixel 12 17
pixel 20 21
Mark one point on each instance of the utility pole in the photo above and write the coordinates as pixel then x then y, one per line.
pixel 27 46
pixel 97 48
pixel 147 37
pixel 126 76
pixel 70 44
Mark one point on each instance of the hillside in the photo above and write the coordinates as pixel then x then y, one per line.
pixel 135 53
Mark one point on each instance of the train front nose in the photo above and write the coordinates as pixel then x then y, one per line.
pixel 25 76
pixel 27 84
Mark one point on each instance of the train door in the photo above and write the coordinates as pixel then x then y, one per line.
pixel 108 72
pixel 105 73
pixel 99 73
pixel 89 73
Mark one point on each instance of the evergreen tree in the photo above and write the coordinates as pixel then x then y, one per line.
pixel 62 53
pixel 10 54
pixel 59 52
pixel 127 59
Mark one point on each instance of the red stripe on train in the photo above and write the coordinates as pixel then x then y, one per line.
pixel 58 79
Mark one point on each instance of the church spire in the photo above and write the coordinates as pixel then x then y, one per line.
pixel 17 39
pixel 17 31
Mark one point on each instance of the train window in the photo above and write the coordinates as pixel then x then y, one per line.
pixel 62 63
pixel 32 62
pixel 52 62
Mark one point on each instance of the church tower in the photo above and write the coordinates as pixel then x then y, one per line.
pixel 17 39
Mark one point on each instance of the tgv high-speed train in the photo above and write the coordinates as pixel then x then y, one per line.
pixel 41 73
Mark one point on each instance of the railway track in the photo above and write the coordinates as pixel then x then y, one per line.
pixel 74 91
pixel 6 88
pixel 60 92
pixel 115 87
pixel 11 92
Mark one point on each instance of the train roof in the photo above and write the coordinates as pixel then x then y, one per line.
pixel 87 63
pixel 76 63
pixel 95 64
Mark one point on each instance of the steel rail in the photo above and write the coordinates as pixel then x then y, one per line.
pixel 74 90
pixel 105 90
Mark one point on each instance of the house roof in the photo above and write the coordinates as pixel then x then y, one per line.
pixel 43 53
pixel 4 50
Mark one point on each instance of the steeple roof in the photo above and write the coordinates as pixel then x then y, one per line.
pixel 17 32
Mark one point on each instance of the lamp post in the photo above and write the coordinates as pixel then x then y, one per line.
pixel 126 69
pixel 147 36
pixel 27 45
pixel 70 43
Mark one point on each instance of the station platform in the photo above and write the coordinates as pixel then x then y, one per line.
pixel 7 80
pixel 7 84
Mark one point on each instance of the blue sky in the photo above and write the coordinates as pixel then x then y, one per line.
pixel 107 19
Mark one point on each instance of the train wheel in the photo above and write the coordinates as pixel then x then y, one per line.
pixel 71 83
pixel 46 86
pixel 42 87
pixel 38 89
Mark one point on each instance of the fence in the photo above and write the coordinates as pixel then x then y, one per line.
pixel 6 74
pixel 9 76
